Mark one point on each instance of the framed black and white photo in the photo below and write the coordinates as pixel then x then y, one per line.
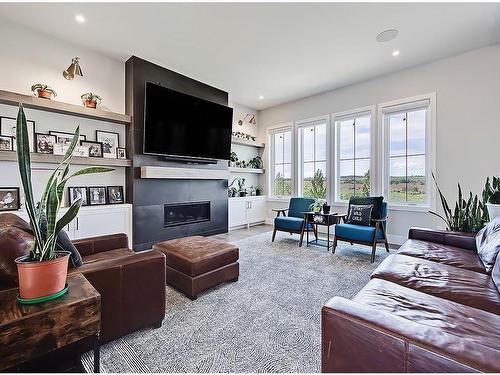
pixel 60 149
pixel 77 192
pixel 110 142
pixel 115 195
pixel 81 151
pixel 97 195
pixel 121 153
pixel 9 199
pixel 6 143
pixel 65 138
pixel 45 143
pixel 95 148
pixel 8 127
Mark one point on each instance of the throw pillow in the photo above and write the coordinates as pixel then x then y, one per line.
pixel 376 201
pixel 360 214
pixel 488 243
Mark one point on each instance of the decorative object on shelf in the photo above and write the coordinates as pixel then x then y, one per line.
pixel 9 199
pixel 240 191
pixel 97 195
pixel 110 142
pixel 43 271
pixel 258 191
pixel 115 194
pixel 252 120
pixel 8 127
pixel 121 153
pixel 326 208
pixel 60 149
pixel 468 215
pixel 91 100
pixel 233 158
pixel 45 143
pixel 256 163
pixel 42 90
pixel 78 192
pixel 65 138
pixel 6 143
pixel 491 198
pixel 81 151
pixel 95 148
pixel 243 136
pixel 73 70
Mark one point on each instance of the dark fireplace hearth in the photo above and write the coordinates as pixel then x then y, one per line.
pixel 186 213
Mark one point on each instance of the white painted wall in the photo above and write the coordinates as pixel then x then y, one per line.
pixel 468 120
pixel 28 57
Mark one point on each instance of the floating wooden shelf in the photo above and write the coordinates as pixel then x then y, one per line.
pixel 245 170
pixel 28 101
pixel 246 142
pixel 56 159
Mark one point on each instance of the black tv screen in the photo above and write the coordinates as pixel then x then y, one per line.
pixel 181 125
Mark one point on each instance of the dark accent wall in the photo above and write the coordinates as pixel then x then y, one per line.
pixel 149 195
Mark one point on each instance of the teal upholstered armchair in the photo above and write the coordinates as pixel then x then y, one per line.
pixel 369 235
pixel 294 222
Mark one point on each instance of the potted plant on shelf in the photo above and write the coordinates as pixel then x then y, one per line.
pixel 91 100
pixel 233 159
pixel 256 162
pixel 491 197
pixel 42 273
pixel 258 191
pixel 43 91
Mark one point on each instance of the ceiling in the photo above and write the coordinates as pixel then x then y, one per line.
pixel 282 51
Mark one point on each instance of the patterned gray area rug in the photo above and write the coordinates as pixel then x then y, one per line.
pixel 268 321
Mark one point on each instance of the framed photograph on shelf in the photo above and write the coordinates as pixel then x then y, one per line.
pixel 81 151
pixel 77 192
pixel 65 138
pixel 121 153
pixel 8 127
pixel 110 142
pixel 97 195
pixel 9 199
pixel 115 195
pixel 45 143
pixel 6 143
pixel 95 148
pixel 60 149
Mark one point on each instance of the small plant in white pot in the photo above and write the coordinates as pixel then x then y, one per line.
pixel 42 272
pixel 491 197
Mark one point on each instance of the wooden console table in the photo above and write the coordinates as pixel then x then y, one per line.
pixel 28 332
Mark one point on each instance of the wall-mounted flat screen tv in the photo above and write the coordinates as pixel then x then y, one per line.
pixel 182 125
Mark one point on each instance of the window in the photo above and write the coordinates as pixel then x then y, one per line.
pixel 354 151
pixel 312 159
pixel 408 152
pixel 281 162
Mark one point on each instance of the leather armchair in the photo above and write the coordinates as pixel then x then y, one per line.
pixel 294 222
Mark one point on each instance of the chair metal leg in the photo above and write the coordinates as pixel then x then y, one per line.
pixel 315 230
pixel 274 234
pixel 334 244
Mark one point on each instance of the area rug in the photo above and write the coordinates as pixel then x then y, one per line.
pixel 268 321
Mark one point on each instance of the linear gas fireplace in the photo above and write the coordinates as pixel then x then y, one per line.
pixel 186 213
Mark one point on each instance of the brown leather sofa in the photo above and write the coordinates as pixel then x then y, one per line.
pixel 131 285
pixel 431 307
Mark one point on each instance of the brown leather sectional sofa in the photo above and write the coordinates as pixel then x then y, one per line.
pixel 131 285
pixel 431 307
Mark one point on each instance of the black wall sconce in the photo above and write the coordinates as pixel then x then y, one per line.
pixel 252 120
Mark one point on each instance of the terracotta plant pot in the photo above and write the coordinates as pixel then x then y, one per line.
pixel 91 103
pixel 45 94
pixel 40 279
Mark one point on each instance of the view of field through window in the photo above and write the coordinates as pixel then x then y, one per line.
pixel 314 153
pixel 282 145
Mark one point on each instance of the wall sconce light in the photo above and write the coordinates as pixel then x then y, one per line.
pixel 73 70
pixel 252 120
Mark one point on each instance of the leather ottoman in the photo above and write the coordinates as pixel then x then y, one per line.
pixel 197 263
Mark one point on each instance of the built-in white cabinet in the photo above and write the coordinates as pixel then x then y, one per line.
pixel 95 221
pixel 246 211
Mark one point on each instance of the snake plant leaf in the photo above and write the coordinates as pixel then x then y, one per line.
pixel 90 170
pixel 53 204
pixel 69 215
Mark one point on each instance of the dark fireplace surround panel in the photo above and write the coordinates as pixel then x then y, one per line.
pixel 149 196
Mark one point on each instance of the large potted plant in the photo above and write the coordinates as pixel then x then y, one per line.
pixel 42 272
pixel 491 197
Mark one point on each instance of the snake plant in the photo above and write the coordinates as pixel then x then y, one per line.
pixel 44 245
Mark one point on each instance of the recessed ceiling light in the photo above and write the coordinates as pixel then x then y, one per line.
pixel 261 97
pixel 387 35
pixel 79 18
pixel 395 53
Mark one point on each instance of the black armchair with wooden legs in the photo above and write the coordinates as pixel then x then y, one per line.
pixel 294 222
pixel 362 234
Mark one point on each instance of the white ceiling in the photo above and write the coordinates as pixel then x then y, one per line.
pixel 283 51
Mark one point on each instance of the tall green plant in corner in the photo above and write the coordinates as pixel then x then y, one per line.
pixel 44 245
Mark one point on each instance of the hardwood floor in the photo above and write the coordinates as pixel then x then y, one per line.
pixel 240 234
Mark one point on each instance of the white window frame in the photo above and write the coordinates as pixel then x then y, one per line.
pixel 338 116
pixel 300 163
pixel 430 148
pixel 271 131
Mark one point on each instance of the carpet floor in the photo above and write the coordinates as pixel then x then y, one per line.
pixel 268 321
